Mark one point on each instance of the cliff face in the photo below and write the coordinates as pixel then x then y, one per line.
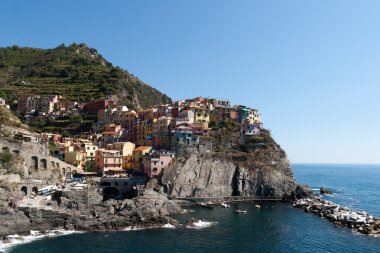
pixel 260 171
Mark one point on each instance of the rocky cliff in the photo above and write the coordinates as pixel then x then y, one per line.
pixel 82 210
pixel 232 167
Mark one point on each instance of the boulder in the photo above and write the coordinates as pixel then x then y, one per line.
pixel 323 190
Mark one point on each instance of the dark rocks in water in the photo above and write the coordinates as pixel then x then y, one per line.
pixel 300 192
pixel 190 222
pixel 323 190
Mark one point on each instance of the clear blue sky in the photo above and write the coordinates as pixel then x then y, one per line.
pixel 311 67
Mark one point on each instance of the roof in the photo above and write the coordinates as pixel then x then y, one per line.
pixel 142 148
pixel 108 150
pixel 109 132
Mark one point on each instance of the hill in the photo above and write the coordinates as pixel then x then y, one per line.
pixel 7 118
pixel 76 72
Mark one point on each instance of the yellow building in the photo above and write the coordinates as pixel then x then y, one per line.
pixel 76 158
pixel 127 119
pixel 128 162
pixel 201 108
pixel 201 115
pixel 138 157
pixel 126 152
pixel 144 133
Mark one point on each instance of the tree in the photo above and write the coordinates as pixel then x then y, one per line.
pixel 64 73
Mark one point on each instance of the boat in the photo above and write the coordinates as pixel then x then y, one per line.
pixel 240 211
pixel 224 204
pixel 205 205
pixel 257 206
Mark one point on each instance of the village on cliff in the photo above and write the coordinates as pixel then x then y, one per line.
pixel 124 141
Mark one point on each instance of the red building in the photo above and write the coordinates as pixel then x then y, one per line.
pixel 94 106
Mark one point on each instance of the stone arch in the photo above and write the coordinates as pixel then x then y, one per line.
pixel 5 149
pixel 110 192
pixel 63 171
pixel 57 165
pixel 24 189
pixel 35 189
pixel 43 163
pixel 35 163
pixel 16 151
pixel 52 164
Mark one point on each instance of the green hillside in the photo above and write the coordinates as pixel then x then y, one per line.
pixel 76 72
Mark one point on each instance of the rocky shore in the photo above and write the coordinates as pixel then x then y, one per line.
pixel 83 211
pixel 361 222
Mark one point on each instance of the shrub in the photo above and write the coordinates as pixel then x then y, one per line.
pixel 6 157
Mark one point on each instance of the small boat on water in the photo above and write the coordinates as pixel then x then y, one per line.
pixel 225 205
pixel 240 211
pixel 257 206
pixel 206 205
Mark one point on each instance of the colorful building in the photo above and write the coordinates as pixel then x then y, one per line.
pixel 183 136
pixel 109 138
pixel 76 158
pixel 108 161
pixel 162 133
pixel 94 106
pixel 138 157
pixel 144 133
pixel 156 163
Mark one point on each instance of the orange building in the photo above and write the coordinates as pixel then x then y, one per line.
pixel 108 161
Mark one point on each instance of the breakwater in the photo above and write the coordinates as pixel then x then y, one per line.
pixel 342 216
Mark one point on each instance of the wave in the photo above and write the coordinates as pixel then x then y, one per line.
pixel 201 224
pixel 168 225
pixel 14 240
pixel 131 228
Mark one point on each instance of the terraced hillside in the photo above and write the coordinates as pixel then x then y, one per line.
pixel 76 72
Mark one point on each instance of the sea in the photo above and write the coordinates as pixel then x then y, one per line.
pixel 275 227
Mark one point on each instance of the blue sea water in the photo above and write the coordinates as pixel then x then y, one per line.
pixel 276 227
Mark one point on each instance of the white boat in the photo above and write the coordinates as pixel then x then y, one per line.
pixel 224 204
pixel 257 206
pixel 240 211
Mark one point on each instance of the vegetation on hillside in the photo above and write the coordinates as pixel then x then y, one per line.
pixel 8 119
pixel 76 72
pixel 67 126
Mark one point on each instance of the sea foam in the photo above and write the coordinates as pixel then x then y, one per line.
pixel 14 240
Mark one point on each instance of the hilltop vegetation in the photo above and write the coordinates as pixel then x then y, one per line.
pixel 76 72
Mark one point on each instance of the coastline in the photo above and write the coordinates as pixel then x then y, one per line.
pixel 12 241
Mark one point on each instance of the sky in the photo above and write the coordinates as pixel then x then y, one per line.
pixel 310 67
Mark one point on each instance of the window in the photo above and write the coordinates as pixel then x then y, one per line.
pixel 155 169
pixel 162 163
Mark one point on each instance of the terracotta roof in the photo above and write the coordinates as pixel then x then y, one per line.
pixel 142 148
pixel 109 133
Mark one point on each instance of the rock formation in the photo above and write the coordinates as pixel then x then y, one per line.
pixel 83 210
pixel 263 171
pixel 342 216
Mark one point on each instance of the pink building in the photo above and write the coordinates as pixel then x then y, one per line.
pixel 156 163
